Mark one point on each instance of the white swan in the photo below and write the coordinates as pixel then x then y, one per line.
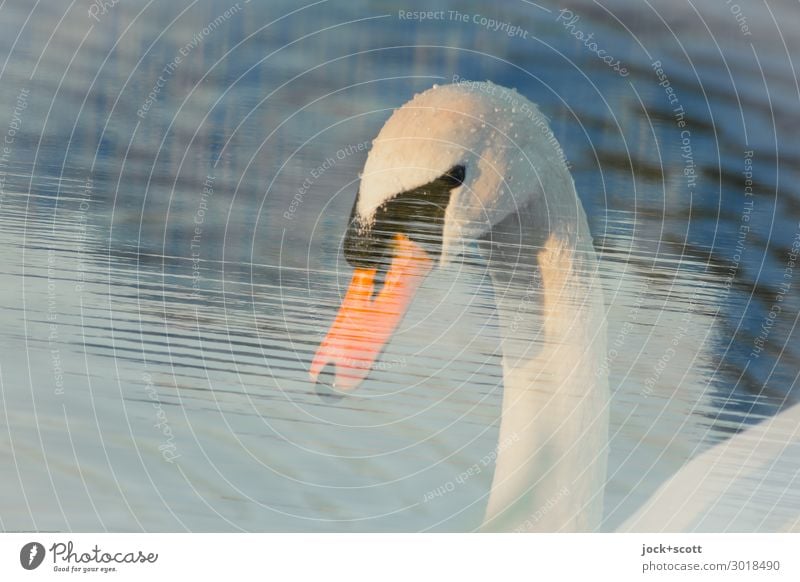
pixel 476 163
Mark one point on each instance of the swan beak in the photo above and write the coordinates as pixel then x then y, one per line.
pixel 366 320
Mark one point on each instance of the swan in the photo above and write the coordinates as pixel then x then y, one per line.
pixel 747 483
pixel 474 165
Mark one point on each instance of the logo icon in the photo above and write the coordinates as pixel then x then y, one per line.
pixel 31 555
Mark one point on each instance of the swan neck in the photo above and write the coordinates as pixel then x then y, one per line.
pixel 551 456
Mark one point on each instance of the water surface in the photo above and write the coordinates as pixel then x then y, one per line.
pixel 173 198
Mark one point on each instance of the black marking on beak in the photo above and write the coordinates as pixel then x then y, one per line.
pixel 417 213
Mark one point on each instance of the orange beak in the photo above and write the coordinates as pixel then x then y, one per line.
pixel 365 323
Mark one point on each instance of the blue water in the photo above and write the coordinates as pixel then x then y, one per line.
pixel 164 286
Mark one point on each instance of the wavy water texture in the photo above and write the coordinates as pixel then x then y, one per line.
pixel 171 232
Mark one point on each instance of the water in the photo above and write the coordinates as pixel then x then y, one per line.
pixel 174 195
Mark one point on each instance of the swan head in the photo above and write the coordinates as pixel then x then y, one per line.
pixel 445 168
pixel 456 160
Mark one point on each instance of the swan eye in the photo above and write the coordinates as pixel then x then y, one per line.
pixel 417 213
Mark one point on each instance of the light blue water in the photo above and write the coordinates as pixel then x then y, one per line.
pixel 164 287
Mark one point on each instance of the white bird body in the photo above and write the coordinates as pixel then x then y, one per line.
pixel 748 483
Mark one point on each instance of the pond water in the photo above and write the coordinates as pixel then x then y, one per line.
pixel 176 182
